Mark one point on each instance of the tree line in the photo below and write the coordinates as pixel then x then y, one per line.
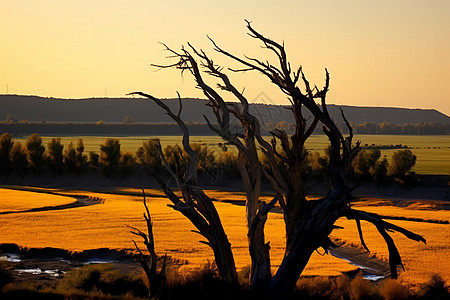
pixel 57 159
pixel 428 128
pixel 197 128
pixel 384 128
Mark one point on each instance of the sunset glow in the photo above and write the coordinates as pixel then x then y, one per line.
pixel 379 53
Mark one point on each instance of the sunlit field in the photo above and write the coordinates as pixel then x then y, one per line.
pixel 13 200
pixel 433 152
pixel 104 225
pixel 420 260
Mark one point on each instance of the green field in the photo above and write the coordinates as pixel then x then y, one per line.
pixel 432 151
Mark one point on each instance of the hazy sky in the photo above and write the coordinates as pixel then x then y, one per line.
pixel 379 53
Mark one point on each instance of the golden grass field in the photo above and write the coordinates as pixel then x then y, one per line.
pixel 104 225
pixel 14 200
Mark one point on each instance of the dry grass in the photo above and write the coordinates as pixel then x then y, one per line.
pixel 104 225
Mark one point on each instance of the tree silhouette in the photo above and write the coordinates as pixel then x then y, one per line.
pixel 81 159
pixel 401 163
pixel 18 159
pixel 35 153
pixel 308 223
pixel 55 155
pixel 148 155
pixel 70 158
pixel 6 145
pixel 109 156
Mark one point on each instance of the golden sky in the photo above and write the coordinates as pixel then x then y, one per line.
pixel 379 53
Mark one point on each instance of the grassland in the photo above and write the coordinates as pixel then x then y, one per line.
pixel 104 225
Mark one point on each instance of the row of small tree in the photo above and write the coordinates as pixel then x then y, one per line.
pixel 58 159
pixel 35 157
pixel 367 166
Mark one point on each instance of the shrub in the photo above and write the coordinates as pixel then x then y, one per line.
pixel 6 145
pixel 103 278
pixel 201 283
pixel 364 161
pixel 343 286
pixel 228 162
pixel 126 162
pixel 206 157
pixel 379 171
pixel 317 288
pixel 401 163
pixel 148 155
pixel 361 288
pixel 244 275
pixel 18 159
pixel 323 287
pixel 317 164
pixel 93 160
pixel 55 155
pixel 394 290
pixel 176 157
pixel 28 290
pixel 70 158
pixel 80 158
pixel 172 155
pixel 436 288
pixel 35 153
pixel 5 274
pixel 109 156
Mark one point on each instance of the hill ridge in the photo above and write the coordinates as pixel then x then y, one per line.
pixel 49 109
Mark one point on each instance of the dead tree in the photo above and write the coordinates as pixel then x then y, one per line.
pixel 248 162
pixel 148 263
pixel 308 223
pixel 194 203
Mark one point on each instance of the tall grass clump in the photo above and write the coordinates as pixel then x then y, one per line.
pixel 436 288
pixel 361 288
pixel 391 289
pixel 103 278
pixel 201 283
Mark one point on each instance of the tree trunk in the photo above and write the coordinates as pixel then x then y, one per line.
pixel 310 234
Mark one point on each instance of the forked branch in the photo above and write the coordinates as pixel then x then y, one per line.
pixel 157 281
pixel 383 227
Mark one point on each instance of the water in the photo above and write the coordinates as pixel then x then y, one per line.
pixel 11 257
pixel 99 261
pixel 368 273
pixel 38 271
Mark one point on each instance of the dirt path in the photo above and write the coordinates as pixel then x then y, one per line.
pixel 80 201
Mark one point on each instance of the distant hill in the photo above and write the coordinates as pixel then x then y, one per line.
pixel 39 109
